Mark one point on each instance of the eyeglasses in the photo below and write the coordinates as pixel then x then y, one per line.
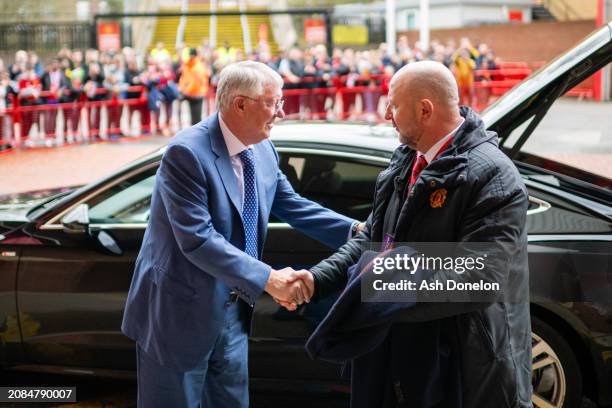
pixel 278 106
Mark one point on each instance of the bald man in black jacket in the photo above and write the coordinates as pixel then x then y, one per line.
pixel 447 182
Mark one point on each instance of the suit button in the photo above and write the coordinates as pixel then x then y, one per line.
pixel 432 183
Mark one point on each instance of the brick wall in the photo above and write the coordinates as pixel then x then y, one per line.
pixel 533 42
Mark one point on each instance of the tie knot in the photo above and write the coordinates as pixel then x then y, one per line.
pixel 247 156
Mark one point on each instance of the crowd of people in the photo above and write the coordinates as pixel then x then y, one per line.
pixel 188 74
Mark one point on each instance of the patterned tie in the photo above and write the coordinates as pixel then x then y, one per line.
pixel 250 210
pixel 419 165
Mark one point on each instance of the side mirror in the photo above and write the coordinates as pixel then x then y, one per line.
pixel 76 222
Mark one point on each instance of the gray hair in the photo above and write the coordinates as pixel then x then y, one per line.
pixel 249 78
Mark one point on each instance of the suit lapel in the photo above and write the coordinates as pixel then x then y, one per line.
pixel 223 162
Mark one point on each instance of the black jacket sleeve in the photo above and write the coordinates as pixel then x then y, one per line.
pixel 330 274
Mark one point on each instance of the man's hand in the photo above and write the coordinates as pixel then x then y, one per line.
pixel 300 281
pixel 285 285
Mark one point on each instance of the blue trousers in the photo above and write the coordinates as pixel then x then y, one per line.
pixel 219 380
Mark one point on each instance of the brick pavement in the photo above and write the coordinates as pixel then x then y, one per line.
pixel 33 169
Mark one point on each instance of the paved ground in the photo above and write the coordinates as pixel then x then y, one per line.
pixel 40 168
pixel 96 393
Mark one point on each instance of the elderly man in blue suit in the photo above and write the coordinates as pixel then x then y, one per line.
pixel 198 273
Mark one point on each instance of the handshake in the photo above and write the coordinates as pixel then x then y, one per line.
pixel 289 287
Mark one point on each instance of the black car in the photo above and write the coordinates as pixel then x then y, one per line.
pixel 66 259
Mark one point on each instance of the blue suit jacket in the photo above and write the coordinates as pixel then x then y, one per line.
pixel 191 256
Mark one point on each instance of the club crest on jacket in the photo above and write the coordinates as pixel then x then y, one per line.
pixel 437 198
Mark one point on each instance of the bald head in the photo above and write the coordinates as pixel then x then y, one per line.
pixel 423 104
pixel 428 79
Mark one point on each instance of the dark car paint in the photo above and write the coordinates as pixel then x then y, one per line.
pixel 71 298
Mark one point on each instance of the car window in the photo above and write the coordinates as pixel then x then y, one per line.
pixel 342 184
pixel 127 202
pixel 576 131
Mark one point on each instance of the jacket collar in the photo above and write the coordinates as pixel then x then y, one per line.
pixel 223 162
pixel 217 142
pixel 471 134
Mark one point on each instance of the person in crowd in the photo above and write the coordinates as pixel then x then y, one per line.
pixel 114 83
pixel 66 67
pixel 29 98
pixel 403 45
pixel 169 92
pixel 385 57
pixel 370 68
pixel 8 92
pixel 92 56
pixel 135 92
pixel 291 68
pixel 95 92
pixel 206 51
pixel 181 55
pixel 70 101
pixel 160 54
pixel 321 81
pixel 33 59
pixel 78 66
pixel 265 57
pixel 19 66
pixel 311 81
pixel 485 63
pixel 151 79
pixel 463 67
pixel 348 76
pixel 419 53
pixel 227 54
pixel 194 85
pixel 54 83
pixel 64 52
pixel 129 54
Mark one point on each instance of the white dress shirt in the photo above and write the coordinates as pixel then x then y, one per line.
pixel 433 150
pixel 234 148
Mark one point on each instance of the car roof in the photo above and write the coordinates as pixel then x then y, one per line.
pixel 350 135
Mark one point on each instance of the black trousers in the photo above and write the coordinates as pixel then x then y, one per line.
pixel 195 107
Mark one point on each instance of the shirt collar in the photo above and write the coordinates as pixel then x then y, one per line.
pixel 435 149
pixel 234 145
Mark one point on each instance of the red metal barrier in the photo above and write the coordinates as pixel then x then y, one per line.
pixel 53 124
pixel 29 123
